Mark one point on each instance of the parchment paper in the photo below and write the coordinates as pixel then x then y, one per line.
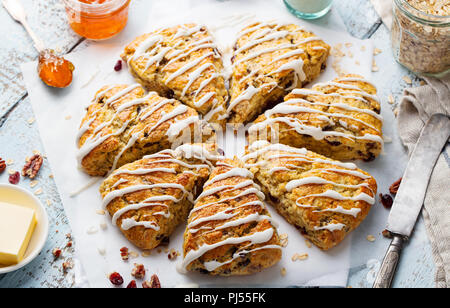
pixel 59 113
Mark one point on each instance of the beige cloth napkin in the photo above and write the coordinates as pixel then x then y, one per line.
pixel 417 106
pixel 384 9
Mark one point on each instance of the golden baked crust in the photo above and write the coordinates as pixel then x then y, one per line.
pixel 230 231
pixel 270 60
pixel 123 124
pixel 323 198
pixel 181 62
pixel 149 198
pixel 339 119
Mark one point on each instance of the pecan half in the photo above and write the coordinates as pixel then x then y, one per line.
pixel 152 284
pixel 32 166
pixel 394 187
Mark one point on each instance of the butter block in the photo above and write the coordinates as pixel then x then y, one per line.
pixel 17 224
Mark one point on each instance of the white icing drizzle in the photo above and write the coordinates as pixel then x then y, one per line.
pixel 262 33
pixel 225 218
pixel 255 238
pixel 331 227
pixel 167 156
pixel 291 106
pixel 153 52
pixel 260 153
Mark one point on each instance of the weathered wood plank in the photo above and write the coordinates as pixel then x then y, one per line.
pixel 48 19
pixel 19 139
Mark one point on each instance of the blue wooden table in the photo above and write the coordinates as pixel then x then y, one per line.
pixel 19 135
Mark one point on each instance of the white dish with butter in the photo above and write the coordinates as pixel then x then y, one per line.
pixel 20 204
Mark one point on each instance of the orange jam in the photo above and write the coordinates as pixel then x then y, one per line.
pixel 97 19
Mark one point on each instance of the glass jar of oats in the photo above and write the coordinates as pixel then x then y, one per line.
pixel 421 36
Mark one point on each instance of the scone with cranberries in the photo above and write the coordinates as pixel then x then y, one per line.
pixel 323 198
pixel 339 119
pixel 181 62
pixel 149 198
pixel 122 124
pixel 269 60
pixel 230 231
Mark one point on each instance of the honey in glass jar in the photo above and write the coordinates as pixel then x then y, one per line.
pixel 97 19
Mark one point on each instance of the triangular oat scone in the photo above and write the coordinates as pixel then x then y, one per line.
pixel 269 60
pixel 182 62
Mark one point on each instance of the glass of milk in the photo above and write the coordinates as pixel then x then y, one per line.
pixel 309 9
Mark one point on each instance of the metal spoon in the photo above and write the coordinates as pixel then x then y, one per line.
pixel 55 71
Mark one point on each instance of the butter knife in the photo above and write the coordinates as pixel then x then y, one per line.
pixel 411 194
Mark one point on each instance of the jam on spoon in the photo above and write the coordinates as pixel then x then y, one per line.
pixel 55 71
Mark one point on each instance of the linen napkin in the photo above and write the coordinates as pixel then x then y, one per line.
pixel 384 9
pixel 417 106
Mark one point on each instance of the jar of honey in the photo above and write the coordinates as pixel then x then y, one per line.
pixel 97 19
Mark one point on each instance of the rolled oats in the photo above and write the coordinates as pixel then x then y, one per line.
pixel 421 35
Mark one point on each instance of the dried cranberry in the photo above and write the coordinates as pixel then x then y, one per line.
pixel 387 201
pixel 116 279
pixel 2 165
pixel 14 178
pixel 132 285
pixel 118 66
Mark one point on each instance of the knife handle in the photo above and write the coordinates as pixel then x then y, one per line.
pixel 388 268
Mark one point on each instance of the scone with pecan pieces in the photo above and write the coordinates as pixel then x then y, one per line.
pixel 123 124
pixel 269 60
pixel 182 62
pixel 323 198
pixel 149 198
pixel 230 231
pixel 339 119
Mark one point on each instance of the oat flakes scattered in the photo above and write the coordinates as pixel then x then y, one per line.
pixel 284 240
pixel 391 99
pixel 308 244
pixel 100 212
pixel 38 191
pixel 371 238
pixel 283 272
pixel 300 257
pixel 377 51
pixel 33 183
pixel 407 80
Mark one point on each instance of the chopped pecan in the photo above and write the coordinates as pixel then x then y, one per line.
pixel 387 234
pixel 152 284
pixel 67 265
pixel 56 253
pixel 172 254
pixel 124 253
pixel 394 187
pixel 32 166
pixel 2 165
pixel 138 271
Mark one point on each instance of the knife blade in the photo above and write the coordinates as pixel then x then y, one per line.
pixel 411 194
